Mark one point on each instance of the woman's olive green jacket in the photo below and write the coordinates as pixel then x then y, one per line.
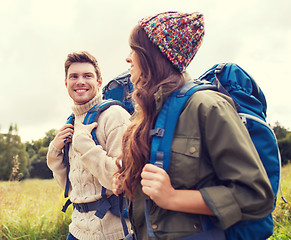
pixel 211 152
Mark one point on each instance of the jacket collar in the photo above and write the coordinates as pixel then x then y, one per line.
pixel 160 98
pixel 161 95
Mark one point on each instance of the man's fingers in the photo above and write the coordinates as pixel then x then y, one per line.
pixel 88 127
pixel 67 127
pixel 68 138
pixel 92 126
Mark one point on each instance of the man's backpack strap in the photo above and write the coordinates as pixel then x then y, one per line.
pixel 66 160
pixel 122 213
pixel 70 120
pixel 94 113
pixel 66 205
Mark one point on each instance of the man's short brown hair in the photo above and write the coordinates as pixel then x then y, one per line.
pixel 82 57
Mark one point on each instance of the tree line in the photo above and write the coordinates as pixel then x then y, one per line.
pixel 24 160
pixel 19 160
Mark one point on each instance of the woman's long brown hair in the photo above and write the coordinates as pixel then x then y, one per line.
pixel 156 72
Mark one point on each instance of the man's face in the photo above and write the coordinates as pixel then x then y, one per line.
pixel 81 82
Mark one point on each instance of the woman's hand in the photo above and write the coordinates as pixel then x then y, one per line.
pixel 157 185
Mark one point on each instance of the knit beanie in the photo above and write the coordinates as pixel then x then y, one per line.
pixel 178 35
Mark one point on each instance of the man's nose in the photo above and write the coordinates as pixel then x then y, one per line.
pixel 80 80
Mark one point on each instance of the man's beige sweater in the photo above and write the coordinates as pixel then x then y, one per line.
pixel 91 167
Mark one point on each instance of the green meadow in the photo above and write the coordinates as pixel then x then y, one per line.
pixel 31 209
pixel 282 213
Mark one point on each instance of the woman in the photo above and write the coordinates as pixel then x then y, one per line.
pixel 214 168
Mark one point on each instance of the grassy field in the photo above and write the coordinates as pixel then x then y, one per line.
pixel 31 209
pixel 282 213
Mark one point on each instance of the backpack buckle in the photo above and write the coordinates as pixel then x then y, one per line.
pixel 159 159
pixel 81 207
pixel 158 132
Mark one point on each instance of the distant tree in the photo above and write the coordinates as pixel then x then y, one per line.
pixel 284 142
pixel 4 166
pixel 37 151
pixel 280 131
pixel 285 149
pixel 49 136
pixel 13 156
pixel 39 168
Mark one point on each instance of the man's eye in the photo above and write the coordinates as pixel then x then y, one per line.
pixel 73 76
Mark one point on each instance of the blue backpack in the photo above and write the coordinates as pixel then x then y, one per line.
pixel 114 204
pixel 120 89
pixel 251 106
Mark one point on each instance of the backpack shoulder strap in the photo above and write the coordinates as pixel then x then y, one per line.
pixel 94 113
pixel 70 120
pixel 91 116
pixel 162 134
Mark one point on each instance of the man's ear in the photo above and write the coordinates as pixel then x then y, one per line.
pixel 100 81
pixel 66 82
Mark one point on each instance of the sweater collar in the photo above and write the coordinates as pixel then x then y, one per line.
pixel 84 108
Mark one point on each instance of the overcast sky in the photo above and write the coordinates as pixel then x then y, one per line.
pixel 37 35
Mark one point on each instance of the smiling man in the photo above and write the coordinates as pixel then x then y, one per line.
pixel 91 166
pixel 79 82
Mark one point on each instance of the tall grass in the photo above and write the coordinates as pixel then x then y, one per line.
pixel 282 213
pixel 31 209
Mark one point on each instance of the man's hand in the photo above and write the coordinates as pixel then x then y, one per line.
pixel 116 185
pixel 89 128
pixel 64 135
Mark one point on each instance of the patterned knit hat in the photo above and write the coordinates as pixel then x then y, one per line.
pixel 178 35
